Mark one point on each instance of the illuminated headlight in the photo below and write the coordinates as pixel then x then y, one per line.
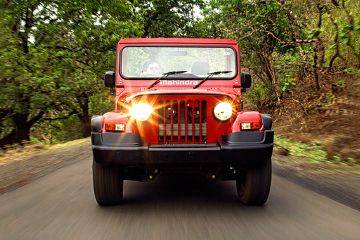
pixel 223 111
pixel 141 111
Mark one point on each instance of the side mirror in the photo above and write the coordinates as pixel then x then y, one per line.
pixel 109 79
pixel 245 80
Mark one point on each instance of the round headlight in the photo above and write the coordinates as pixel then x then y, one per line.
pixel 223 111
pixel 141 111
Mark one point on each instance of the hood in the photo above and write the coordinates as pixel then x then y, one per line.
pixel 180 92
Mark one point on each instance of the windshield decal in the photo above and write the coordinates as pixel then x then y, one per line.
pixel 178 82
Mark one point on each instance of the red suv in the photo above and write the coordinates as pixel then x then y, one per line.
pixel 178 108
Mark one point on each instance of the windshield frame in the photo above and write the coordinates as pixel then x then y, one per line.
pixel 185 46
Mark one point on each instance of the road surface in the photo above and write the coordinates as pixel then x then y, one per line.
pixel 61 205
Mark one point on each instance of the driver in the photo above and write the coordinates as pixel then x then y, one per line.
pixel 151 68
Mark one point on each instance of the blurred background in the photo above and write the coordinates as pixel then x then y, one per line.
pixel 304 57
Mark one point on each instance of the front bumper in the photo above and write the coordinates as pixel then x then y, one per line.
pixel 240 150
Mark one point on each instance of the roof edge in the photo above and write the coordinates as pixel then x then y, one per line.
pixel 177 41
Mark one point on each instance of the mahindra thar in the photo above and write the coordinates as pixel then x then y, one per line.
pixel 178 109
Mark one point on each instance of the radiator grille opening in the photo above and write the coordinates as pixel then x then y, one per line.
pixel 182 122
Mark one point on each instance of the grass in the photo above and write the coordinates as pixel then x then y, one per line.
pixel 312 158
pixel 314 152
pixel 18 152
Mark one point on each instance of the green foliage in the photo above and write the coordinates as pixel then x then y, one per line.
pixel 313 152
pixel 341 83
pixel 57 131
pixel 352 70
pixel 287 83
pixel 101 103
pixel 167 18
pixel 260 96
pixel 287 66
pixel 53 53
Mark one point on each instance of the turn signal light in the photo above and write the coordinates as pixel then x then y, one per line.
pixel 113 127
pixel 250 126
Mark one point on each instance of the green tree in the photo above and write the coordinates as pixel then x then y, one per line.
pixel 166 18
pixel 53 55
pixel 261 27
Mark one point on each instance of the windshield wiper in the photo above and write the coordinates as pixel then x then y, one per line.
pixel 209 76
pixel 164 75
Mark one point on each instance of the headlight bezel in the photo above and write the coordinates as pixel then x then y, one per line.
pixel 228 107
pixel 141 111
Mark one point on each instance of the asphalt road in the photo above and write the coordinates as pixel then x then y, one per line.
pixel 61 205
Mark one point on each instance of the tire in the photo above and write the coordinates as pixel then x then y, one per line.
pixel 108 185
pixel 253 186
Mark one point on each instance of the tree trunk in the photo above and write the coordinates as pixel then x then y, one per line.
pixel 20 133
pixel 315 69
pixel 16 136
pixel 268 68
pixel 84 116
pixel 86 125
pixel 336 54
pixel 319 50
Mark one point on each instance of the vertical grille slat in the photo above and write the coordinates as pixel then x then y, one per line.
pixel 192 107
pixel 200 121
pixel 164 120
pixel 182 121
pixel 186 121
pixel 179 121
pixel 171 113
pixel 203 120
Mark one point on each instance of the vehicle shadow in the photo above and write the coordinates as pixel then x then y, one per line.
pixel 179 188
pixel 182 195
pixel 180 192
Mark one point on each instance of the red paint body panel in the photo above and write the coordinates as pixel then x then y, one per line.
pixel 170 95
pixel 115 118
pixel 246 117
pixel 215 129
pixel 125 86
pixel 177 41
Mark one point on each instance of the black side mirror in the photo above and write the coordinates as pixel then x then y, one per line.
pixel 109 79
pixel 245 80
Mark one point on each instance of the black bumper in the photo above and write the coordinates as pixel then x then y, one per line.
pixel 241 149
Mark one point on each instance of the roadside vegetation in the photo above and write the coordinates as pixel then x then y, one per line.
pixel 20 152
pixel 304 57
pixel 314 152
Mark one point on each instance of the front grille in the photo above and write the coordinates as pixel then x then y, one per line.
pixel 182 122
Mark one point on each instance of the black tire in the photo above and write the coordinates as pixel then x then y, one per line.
pixel 108 185
pixel 253 186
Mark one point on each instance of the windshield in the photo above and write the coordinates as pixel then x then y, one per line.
pixel 153 62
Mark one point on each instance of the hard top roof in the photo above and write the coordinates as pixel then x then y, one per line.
pixel 177 41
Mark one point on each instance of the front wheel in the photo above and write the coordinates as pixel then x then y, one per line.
pixel 253 186
pixel 108 185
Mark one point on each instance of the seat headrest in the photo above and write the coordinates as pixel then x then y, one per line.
pixel 200 68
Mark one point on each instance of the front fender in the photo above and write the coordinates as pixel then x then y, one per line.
pixel 242 117
pixel 98 122
pixel 264 120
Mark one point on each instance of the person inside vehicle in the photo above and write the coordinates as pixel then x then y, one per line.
pixel 151 67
